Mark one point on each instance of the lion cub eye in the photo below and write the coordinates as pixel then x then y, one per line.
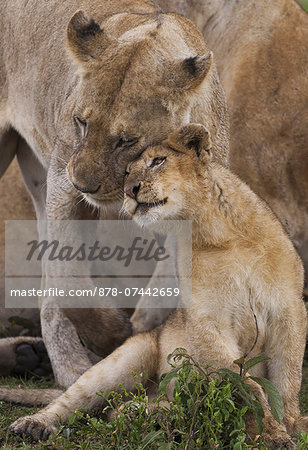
pixel 158 161
pixel 83 126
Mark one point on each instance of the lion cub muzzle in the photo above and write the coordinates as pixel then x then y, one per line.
pixel 132 191
pixel 140 197
pixel 156 178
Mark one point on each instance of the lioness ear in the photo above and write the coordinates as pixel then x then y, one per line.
pixel 85 38
pixel 190 72
pixel 193 136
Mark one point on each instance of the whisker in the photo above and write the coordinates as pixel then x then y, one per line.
pixel 80 200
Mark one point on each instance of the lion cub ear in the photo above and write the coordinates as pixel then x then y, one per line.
pixel 86 40
pixel 193 136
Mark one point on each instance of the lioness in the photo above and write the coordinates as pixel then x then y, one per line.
pixel 261 51
pixel 20 209
pixel 88 95
pixel 243 265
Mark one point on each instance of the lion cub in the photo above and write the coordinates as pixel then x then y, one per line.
pixel 243 264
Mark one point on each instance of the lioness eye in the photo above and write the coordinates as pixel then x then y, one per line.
pixel 126 142
pixel 158 161
pixel 82 125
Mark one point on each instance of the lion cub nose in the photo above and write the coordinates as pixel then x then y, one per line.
pixel 132 191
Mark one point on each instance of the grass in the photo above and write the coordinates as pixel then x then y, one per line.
pixel 304 4
pixel 203 412
pixel 10 412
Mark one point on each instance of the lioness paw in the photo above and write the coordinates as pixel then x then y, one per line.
pixel 35 427
pixel 33 358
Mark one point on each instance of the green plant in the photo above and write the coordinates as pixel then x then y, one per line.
pixel 210 399
pixel 207 410
pixel 302 443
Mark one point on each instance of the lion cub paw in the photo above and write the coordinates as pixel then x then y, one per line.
pixel 38 428
pixel 302 424
pixel 277 441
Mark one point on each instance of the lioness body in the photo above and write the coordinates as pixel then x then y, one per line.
pixel 261 51
pixel 20 209
pixel 87 96
pixel 244 265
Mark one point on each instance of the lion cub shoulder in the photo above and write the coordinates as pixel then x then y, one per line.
pixel 179 180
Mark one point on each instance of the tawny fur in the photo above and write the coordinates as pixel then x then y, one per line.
pixel 243 264
pixel 269 130
pixel 262 57
pixel 132 74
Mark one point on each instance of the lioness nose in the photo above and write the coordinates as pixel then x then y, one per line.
pixel 132 191
pixel 86 190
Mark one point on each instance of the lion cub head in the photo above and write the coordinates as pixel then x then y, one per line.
pixel 165 181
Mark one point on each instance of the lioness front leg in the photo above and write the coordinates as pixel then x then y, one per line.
pixel 60 337
pixel 138 354
pixel 151 312
pixel 61 329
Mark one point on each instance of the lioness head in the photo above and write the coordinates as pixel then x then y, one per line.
pixel 138 76
pixel 165 180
